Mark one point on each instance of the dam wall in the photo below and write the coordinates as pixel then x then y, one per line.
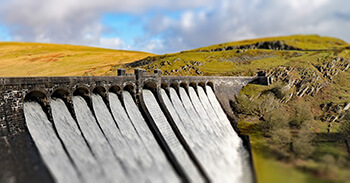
pixel 22 152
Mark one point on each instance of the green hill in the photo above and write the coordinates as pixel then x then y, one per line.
pixel 37 59
pixel 245 57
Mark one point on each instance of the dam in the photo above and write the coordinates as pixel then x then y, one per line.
pixel 140 127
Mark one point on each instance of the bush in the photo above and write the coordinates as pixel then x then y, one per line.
pixel 274 120
pixel 266 104
pixel 281 142
pixel 345 126
pixel 302 115
pixel 302 146
pixel 245 105
pixel 278 92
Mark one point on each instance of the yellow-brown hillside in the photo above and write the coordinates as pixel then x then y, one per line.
pixel 38 59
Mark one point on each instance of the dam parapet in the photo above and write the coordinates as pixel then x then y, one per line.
pixel 22 159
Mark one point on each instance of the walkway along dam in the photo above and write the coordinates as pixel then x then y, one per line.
pixel 127 128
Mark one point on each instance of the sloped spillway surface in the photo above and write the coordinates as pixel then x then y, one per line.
pixel 50 147
pixel 170 137
pixel 241 154
pixel 97 141
pixel 216 145
pixel 141 159
pixel 75 144
pixel 113 141
pixel 159 164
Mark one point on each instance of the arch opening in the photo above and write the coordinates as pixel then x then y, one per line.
pixel 175 86
pixel 60 93
pixel 115 89
pixel 39 97
pixel 211 84
pixel 100 90
pixel 81 91
pixel 150 86
pixel 184 85
pixel 193 84
pixel 36 96
pixel 202 84
pixel 164 85
pixel 129 88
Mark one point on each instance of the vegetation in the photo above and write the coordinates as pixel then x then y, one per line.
pixel 306 52
pixel 36 59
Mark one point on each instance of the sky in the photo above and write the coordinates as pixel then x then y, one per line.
pixel 167 26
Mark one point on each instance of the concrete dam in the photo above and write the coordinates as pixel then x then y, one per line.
pixel 127 128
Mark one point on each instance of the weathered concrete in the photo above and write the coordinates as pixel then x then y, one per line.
pixel 21 162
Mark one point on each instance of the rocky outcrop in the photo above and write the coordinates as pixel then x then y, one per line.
pixel 269 45
pixel 145 61
pixel 301 82
pixel 332 68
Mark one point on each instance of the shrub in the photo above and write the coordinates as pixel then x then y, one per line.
pixel 302 115
pixel 266 104
pixel 345 126
pixel 301 145
pixel 245 105
pixel 281 142
pixel 274 120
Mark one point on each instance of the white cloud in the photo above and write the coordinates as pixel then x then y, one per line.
pixel 113 43
pixel 203 22
pixel 72 21
pixel 230 20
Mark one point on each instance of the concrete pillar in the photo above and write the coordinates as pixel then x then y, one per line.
pixel 139 79
pixel 121 72
pixel 157 72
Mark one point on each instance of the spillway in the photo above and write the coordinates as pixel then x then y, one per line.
pixel 220 151
pixel 141 159
pixel 160 166
pixel 49 146
pixel 173 142
pixel 98 142
pixel 115 143
pixel 75 144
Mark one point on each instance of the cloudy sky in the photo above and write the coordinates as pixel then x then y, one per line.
pixel 163 26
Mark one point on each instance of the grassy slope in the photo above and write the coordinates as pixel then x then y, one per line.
pixel 36 59
pixel 246 62
pixel 304 42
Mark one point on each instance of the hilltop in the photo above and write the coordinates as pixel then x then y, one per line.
pixel 38 59
pixel 245 57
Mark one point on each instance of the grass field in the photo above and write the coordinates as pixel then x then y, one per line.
pixel 207 61
pixel 36 59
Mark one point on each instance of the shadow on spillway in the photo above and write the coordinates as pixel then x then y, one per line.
pixel 170 136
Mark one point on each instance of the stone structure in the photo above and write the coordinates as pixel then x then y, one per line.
pixel 19 158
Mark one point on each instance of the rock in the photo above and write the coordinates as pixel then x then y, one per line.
pixel 303 91
pixel 346 106
pixel 199 72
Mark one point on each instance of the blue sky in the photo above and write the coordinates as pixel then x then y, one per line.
pixel 164 26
